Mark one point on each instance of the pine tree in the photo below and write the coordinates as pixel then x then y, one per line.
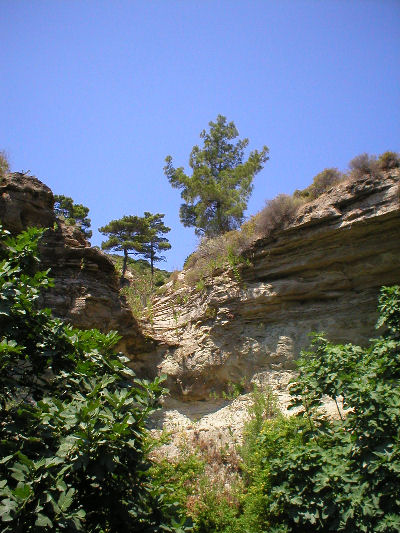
pixel 216 194
pixel 73 214
pixel 125 235
pixel 153 241
pixel 138 235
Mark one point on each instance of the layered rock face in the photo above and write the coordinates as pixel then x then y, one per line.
pixel 322 274
pixel 24 202
pixel 86 287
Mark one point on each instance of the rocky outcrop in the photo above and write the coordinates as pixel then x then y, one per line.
pixel 24 202
pixel 323 273
pixel 86 286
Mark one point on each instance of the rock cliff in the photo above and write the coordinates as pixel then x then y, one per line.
pixel 323 273
pixel 86 286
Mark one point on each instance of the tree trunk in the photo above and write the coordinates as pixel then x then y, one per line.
pixel 152 265
pixel 125 263
pixel 219 220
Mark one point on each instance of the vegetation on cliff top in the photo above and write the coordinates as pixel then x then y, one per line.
pixel 140 285
pixel 216 194
pixel 4 164
pixel 73 214
pixel 137 235
pixel 227 250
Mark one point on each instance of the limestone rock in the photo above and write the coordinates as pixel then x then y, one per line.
pixel 25 201
pixel 322 274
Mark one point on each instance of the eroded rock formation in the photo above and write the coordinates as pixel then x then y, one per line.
pixel 86 286
pixel 323 273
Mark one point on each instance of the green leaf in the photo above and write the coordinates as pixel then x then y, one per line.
pixel 43 521
pixel 22 491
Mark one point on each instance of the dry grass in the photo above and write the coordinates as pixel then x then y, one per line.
pixel 215 254
pixel 174 276
pixel 4 164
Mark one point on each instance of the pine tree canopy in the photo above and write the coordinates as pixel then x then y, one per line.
pixel 125 235
pixel 153 240
pixel 138 235
pixel 71 213
pixel 216 194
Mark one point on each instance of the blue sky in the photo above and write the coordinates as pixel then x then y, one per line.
pixel 95 94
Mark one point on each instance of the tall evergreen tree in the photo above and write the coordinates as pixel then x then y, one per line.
pixel 153 240
pixel 65 208
pixel 125 235
pixel 216 194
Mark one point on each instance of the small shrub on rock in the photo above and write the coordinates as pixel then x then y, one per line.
pixel 217 253
pixel 277 214
pixel 322 182
pixel 4 164
pixel 363 164
pixel 389 160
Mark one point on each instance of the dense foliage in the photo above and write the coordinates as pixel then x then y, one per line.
pixel 346 475
pixel 72 214
pixel 72 418
pixel 216 194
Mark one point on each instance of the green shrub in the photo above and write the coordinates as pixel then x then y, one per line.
pixel 263 407
pixel 72 418
pixel 322 182
pixel 177 479
pixel 200 480
pixel 345 475
pixel 263 444
pixel 216 510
